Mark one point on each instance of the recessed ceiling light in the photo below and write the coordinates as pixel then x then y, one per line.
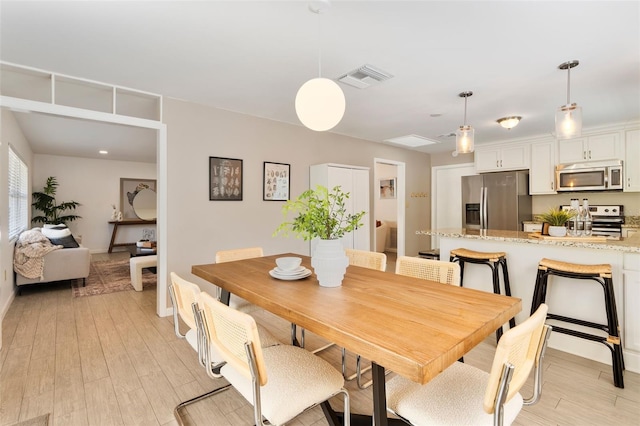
pixel 412 141
pixel 103 152
pixel 435 115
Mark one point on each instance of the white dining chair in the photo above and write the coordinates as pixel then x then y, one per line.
pixel 223 256
pixel 184 297
pixel 429 269
pixel 466 395
pixel 279 381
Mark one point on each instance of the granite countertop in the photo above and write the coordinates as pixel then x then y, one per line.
pixel 629 245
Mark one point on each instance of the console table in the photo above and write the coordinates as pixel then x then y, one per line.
pixel 125 222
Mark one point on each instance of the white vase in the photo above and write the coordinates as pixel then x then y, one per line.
pixel 329 262
pixel 557 231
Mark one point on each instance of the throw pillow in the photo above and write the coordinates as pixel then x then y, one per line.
pixel 56 233
pixel 67 241
pixel 52 226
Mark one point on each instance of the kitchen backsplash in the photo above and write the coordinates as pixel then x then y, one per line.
pixel 632 220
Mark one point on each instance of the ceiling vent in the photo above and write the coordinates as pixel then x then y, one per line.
pixel 412 141
pixel 364 77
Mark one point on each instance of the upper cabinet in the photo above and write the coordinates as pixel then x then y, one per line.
pixel 542 174
pixel 631 164
pixel 592 148
pixel 495 158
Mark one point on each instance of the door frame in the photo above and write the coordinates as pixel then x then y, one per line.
pixel 25 105
pixel 400 196
pixel 434 194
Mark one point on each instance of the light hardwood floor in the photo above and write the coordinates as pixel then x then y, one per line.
pixel 109 360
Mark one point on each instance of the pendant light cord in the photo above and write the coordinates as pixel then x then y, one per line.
pixel 569 85
pixel 465 111
pixel 319 45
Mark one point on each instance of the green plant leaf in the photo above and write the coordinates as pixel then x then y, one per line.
pixel 320 213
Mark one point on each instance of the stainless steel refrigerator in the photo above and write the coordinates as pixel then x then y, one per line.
pixel 496 201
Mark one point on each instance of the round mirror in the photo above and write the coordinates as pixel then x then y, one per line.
pixel 144 204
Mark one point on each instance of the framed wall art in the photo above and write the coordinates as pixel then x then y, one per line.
pixel 387 188
pixel 276 181
pixel 225 179
pixel 129 188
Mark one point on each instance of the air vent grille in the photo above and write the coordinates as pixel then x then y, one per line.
pixel 364 77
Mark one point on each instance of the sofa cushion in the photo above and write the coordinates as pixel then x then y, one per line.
pixel 60 235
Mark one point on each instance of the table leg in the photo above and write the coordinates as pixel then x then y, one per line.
pixel 225 296
pixel 379 395
pixel 113 237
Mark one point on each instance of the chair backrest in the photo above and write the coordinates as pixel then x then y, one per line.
pixel 521 347
pixel 186 294
pixel 229 331
pixel 238 254
pixel 367 259
pixel 429 269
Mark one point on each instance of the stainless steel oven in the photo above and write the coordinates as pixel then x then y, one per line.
pixel 607 220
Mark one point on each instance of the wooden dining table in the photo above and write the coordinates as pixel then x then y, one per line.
pixel 413 327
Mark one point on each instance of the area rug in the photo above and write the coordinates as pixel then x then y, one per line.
pixel 110 276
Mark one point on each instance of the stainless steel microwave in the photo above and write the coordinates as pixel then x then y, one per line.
pixel 596 176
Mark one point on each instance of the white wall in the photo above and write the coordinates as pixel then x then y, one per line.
pixel 11 134
pixel 95 184
pixel 199 227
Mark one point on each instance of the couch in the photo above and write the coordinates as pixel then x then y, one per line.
pixel 71 262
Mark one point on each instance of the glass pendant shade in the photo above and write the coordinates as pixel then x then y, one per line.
pixel 464 139
pixel 320 104
pixel 568 121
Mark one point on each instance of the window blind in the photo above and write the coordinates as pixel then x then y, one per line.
pixel 18 195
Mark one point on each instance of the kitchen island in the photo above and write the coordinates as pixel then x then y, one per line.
pixel 573 298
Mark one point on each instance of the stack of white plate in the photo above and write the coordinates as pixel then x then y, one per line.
pixel 295 274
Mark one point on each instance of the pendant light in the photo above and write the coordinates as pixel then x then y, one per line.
pixel 569 116
pixel 464 135
pixel 320 102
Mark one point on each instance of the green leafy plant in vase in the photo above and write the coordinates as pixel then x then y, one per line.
pixel 557 219
pixel 52 212
pixel 321 213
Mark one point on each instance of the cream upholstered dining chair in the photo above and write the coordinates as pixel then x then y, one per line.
pixel 454 396
pixel 238 254
pixel 367 259
pixel 279 381
pixel 184 297
pixel 428 269
pixel 370 260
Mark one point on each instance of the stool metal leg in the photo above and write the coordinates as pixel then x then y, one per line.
pixel 507 285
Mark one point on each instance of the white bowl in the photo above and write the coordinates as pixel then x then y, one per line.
pixel 288 263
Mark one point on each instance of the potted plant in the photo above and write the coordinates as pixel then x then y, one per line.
pixel 557 219
pixel 322 214
pixel 52 212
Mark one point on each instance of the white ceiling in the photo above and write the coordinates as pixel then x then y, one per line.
pixel 251 57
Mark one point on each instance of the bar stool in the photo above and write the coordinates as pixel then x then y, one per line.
pixel 492 260
pixel 602 275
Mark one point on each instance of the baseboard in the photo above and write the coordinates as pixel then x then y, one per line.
pixel 7 305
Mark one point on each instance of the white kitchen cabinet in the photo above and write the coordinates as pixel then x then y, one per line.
pixel 591 148
pixel 355 181
pixel 543 168
pixel 494 158
pixel 631 283
pixel 632 161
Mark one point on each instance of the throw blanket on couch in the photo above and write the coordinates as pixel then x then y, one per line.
pixel 28 256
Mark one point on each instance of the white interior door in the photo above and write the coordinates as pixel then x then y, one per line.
pixel 446 204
